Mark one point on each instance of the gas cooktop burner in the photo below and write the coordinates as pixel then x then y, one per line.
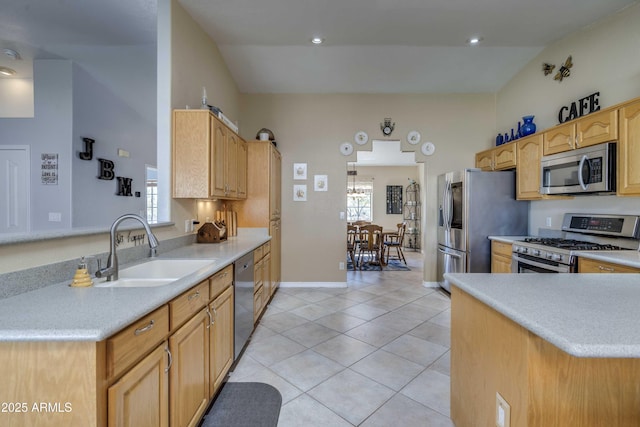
pixel 571 244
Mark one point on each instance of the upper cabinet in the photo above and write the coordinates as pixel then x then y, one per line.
pixel 209 159
pixel 592 129
pixel 529 152
pixel 628 183
pixel 500 158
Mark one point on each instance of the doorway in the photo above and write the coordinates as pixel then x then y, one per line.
pixel 377 184
pixel 14 189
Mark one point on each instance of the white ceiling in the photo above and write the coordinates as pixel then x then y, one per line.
pixel 372 46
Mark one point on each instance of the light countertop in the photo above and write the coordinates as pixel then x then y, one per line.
pixel 585 315
pixel 62 313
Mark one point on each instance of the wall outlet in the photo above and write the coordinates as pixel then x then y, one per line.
pixel 188 226
pixel 503 412
pixel 342 216
pixel 341 265
pixel 548 221
pixel 55 217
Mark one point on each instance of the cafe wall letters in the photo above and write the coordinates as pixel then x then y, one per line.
pixel 579 108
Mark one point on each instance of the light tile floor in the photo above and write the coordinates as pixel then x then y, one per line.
pixel 373 354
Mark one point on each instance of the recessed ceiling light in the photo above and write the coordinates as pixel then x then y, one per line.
pixel 12 54
pixel 474 41
pixel 7 71
pixel 317 40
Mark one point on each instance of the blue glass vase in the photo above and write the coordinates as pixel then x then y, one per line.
pixel 528 127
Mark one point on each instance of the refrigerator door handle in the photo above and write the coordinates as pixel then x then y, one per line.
pixel 451 254
pixel 449 205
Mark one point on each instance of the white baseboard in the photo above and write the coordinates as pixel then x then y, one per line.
pixel 313 284
pixel 431 284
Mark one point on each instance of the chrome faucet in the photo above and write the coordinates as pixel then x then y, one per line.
pixel 111 270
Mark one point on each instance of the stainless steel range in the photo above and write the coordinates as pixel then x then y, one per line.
pixel 582 232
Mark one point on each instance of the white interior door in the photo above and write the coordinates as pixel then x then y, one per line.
pixel 14 189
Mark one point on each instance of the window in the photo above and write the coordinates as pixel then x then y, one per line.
pixel 152 194
pixel 360 199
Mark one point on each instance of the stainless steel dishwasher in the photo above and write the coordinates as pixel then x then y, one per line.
pixel 243 275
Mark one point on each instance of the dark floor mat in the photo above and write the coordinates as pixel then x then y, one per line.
pixel 245 405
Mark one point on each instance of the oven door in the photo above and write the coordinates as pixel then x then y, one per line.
pixel 528 264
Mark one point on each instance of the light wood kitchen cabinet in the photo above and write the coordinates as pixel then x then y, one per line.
pixel 595 128
pixel 263 287
pixel 141 397
pixel 262 208
pixel 189 372
pixel 586 265
pixel 529 153
pixel 258 288
pixel 500 257
pixel 628 183
pixel 243 155
pixel 206 157
pixel 502 157
pixel 220 339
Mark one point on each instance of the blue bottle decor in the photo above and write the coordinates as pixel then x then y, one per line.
pixel 499 139
pixel 528 127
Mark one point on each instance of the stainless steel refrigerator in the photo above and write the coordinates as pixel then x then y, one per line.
pixel 473 205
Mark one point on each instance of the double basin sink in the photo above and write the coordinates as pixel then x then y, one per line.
pixel 157 272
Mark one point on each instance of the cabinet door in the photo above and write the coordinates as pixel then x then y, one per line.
pixel 500 257
pixel 266 277
pixel 629 151
pixel 504 157
pixel 274 185
pixel 189 374
pixel 220 339
pixel 231 165
pixel 529 152
pixel 242 169
pixel 276 248
pixel 218 145
pixel 484 160
pixel 560 138
pixel 597 128
pixel 191 154
pixel 141 397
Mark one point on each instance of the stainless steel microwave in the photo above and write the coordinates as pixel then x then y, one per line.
pixel 582 171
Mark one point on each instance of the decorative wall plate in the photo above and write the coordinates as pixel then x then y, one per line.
pixel 413 137
pixel 428 148
pixel 361 138
pixel 346 148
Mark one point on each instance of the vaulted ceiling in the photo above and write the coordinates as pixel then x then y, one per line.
pixel 370 46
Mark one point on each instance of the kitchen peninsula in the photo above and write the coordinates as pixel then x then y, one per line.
pixel 561 349
pixel 94 356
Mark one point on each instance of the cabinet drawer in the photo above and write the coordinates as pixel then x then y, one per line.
pixel 501 248
pixel 593 266
pixel 133 342
pixel 221 281
pixel 186 305
pixel 258 254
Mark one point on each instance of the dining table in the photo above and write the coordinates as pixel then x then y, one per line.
pixel 379 256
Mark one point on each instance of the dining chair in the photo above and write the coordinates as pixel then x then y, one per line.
pixel 352 234
pixel 370 244
pixel 396 241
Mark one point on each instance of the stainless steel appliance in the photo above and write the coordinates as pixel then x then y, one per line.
pixel 243 301
pixel 586 170
pixel 583 232
pixel 474 205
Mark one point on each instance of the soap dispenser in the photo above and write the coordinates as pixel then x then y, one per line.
pixel 82 279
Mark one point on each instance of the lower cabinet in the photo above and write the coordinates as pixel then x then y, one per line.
pixel 189 372
pixel 592 266
pixel 141 397
pixel 500 257
pixel 221 350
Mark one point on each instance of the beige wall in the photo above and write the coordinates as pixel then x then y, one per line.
pixel 606 58
pixel 310 128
